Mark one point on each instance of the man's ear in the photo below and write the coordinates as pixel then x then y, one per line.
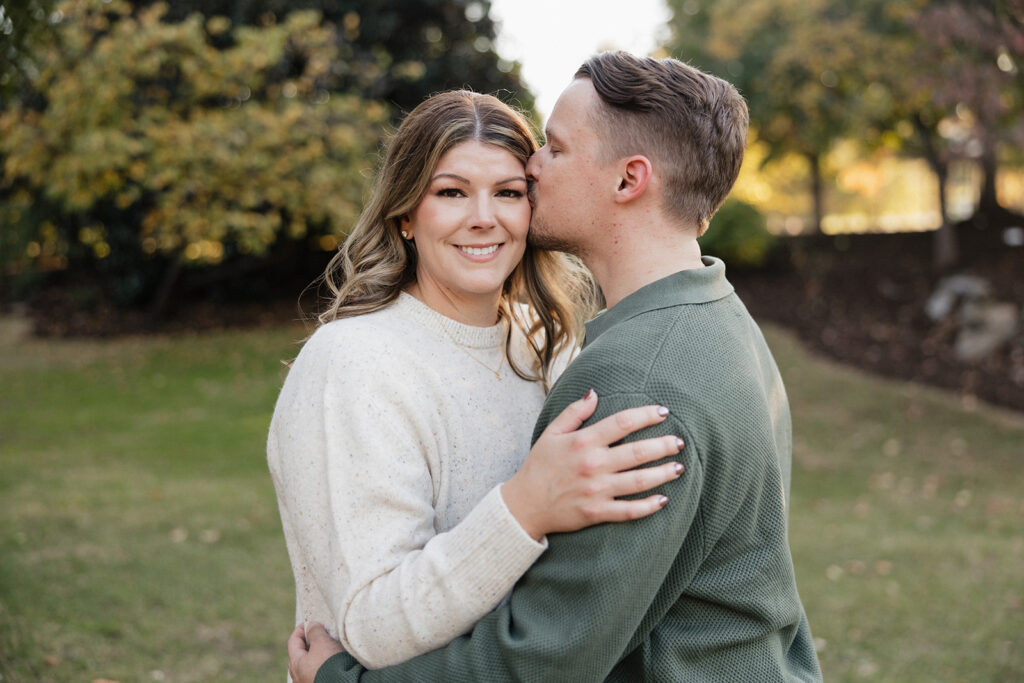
pixel 634 175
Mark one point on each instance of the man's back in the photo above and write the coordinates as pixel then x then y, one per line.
pixel 727 606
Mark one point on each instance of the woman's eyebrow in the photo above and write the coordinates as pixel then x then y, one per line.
pixel 450 175
pixel 455 176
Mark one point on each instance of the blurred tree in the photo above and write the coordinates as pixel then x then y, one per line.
pixel 957 94
pixel 148 140
pixel 400 50
pixel 976 49
pixel 21 23
pixel 939 78
pixel 801 82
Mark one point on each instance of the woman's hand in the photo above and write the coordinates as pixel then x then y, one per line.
pixel 572 477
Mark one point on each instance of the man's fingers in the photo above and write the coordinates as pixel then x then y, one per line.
pixel 297 643
pixel 623 423
pixel 574 415
pixel 316 632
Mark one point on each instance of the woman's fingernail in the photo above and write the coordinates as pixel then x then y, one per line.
pixel 679 443
pixel 663 411
pixel 662 501
pixel 679 468
pixel 589 395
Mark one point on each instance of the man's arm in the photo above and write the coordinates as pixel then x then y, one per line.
pixel 573 614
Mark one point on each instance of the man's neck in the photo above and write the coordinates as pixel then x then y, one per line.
pixel 636 258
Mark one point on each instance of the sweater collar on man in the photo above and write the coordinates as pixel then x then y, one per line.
pixel 692 286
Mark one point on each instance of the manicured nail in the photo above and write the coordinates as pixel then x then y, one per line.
pixel 679 468
pixel 662 502
pixel 679 444
pixel 662 411
pixel 589 395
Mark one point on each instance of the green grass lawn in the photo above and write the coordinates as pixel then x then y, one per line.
pixel 139 537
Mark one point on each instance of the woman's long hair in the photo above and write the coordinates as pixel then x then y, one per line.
pixel 374 263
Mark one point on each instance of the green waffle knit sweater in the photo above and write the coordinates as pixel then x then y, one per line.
pixel 703 590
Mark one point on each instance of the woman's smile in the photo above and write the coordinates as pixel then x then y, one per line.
pixel 481 253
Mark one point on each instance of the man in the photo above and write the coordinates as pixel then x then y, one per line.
pixel 640 154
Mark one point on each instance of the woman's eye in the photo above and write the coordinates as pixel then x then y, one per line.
pixel 513 194
pixel 449 192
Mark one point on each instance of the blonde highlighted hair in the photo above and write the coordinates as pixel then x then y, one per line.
pixel 375 264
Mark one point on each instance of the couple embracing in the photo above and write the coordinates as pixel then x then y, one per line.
pixel 476 486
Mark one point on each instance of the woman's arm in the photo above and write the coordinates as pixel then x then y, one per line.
pixel 355 451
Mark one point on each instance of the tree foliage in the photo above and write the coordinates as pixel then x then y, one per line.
pixel 938 78
pixel 143 136
pixel 801 79
pixel 21 24
pixel 149 128
pixel 399 50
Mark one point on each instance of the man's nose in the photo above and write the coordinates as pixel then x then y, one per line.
pixel 533 167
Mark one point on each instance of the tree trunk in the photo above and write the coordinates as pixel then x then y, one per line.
pixel 817 192
pixel 945 250
pixel 161 302
pixel 988 203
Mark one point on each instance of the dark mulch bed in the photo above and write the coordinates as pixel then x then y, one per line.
pixel 54 314
pixel 859 299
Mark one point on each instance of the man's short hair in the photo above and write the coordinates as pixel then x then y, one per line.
pixel 692 125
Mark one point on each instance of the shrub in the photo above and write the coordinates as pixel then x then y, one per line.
pixel 738 235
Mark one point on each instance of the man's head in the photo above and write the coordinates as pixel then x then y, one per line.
pixel 632 126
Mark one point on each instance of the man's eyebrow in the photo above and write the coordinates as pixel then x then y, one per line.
pixel 550 134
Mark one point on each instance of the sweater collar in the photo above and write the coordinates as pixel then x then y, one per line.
pixel 460 333
pixel 692 286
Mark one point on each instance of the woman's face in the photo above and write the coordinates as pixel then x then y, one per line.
pixel 470 227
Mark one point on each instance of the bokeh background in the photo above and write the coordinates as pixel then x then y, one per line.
pixel 173 176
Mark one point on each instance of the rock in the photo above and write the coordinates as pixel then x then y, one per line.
pixel 951 290
pixel 1013 236
pixel 984 327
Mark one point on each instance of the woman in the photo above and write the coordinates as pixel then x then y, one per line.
pixel 398 442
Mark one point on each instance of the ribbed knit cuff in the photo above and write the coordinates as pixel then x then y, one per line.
pixel 500 550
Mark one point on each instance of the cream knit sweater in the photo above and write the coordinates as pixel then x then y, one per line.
pixel 388 443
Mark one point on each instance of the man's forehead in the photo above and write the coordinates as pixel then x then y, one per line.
pixel 571 109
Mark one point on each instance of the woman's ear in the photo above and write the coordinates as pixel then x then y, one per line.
pixel 406 227
pixel 636 173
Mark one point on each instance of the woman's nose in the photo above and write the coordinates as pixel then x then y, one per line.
pixel 483 213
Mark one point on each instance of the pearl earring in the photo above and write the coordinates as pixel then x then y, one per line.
pixel 405 234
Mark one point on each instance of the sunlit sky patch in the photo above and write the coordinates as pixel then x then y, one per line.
pixel 551 38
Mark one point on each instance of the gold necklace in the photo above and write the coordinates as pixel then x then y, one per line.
pixel 466 351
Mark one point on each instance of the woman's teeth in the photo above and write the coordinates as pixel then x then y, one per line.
pixel 481 251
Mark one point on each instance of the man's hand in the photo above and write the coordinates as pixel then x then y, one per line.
pixel 303 661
